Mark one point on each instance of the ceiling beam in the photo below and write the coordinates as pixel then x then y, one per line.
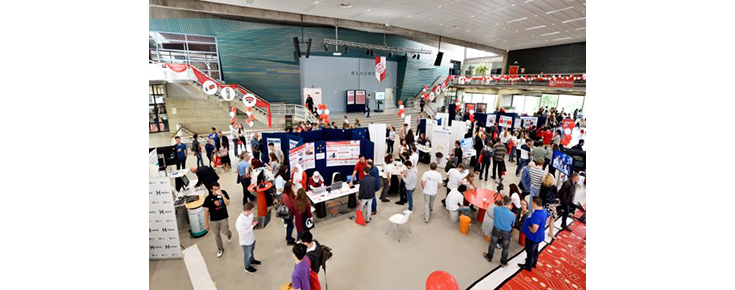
pixel 271 15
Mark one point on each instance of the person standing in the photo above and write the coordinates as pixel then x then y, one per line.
pixel 367 106
pixel 391 138
pixel 525 156
pixel 478 145
pixel 533 228
pixel 410 177
pixel 512 146
pixel 310 103
pixel 234 136
pixel 402 134
pixel 209 148
pixel 375 173
pixel 213 135
pixel 313 250
pixel 499 150
pixel 454 175
pixel 503 222
pixel 430 182
pixel 197 149
pixel 303 212
pixel 279 153
pixel 245 229
pixel 288 198
pixel 566 198
pixel 241 137
pixel 358 172
pixel 215 215
pixel 255 145
pixel 366 194
pixel 537 173
pixel 387 176
pixel 485 157
pixel 181 153
pixel 205 176
pixel 224 153
pixel 579 145
pixel 301 271
pixel 556 140
pixel 243 173
pixel 538 152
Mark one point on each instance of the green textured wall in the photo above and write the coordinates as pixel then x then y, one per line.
pixel 260 56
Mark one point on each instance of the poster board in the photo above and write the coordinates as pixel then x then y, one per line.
pixel 430 124
pixel 527 122
pixel 440 142
pixel 163 232
pixel 360 97
pixel 442 119
pixel 315 93
pixel 377 136
pixel 505 121
pixel 276 144
pixel 350 97
pixel 343 153
pixel 302 155
pixel 491 119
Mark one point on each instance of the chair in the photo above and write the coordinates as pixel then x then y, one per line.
pixel 398 220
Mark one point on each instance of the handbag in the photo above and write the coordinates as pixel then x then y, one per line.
pixel 282 211
pixel 309 223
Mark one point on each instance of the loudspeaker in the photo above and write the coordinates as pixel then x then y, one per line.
pixel 438 60
pixel 296 48
pixel 308 48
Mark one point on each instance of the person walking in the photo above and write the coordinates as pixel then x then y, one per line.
pixel 181 153
pixel 566 198
pixel 366 194
pixel 245 226
pixel 234 137
pixel 303 213
pixel 375 173
pixel 499 150
pixel 533 228
pixel 313 250
pixel 301 271
pixel 430 182
pixel 502 230
pixel 367 106
pixel 216 217
pixel 197 149
pixel 513 145
pixel 485 157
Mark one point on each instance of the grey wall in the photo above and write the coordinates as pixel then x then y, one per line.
pixel 337 74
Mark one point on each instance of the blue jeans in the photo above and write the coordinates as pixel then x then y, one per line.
pixel 505 236
pixel 512 152
pixel 522 164
pixel 531 253
pixel 465 210
pixel 375 204
pixel 409 197
pixel 200 162
pixel 249 256
pixel 289 229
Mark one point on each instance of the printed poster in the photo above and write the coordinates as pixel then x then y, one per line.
pixel 302 155
pixel 343 153
pixel 527 122
pixel 292 144
pixel 350 97
pixel 506 121
pixel 491 119
pixel 276 144
pixel 360 97
pixel 163 233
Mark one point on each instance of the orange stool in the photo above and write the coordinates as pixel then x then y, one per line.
pixel 521 238
pixel 464 224
pixel 487 239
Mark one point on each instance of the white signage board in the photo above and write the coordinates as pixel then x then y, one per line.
pixel 302 155
pixel 505 121
pixel 163 233
pixel 440 142
pixel 529 121
pixel 377 136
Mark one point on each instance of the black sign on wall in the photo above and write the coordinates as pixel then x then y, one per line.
pixel 566 58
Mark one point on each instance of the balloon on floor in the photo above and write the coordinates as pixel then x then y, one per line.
pixel 441 280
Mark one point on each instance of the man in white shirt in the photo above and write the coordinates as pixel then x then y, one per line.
pixel 430 182
pixel 414 158
pixel 455 201
pixel 234 137
pixel 525 155
pixel 245 226
pixel 454 175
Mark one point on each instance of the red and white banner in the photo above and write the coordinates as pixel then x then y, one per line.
pixel 561 83
pixel 380 68
pixel 341 153
pixel 506 121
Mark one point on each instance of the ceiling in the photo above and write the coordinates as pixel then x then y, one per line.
pixel 504 24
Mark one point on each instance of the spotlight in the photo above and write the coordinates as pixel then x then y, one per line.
pixel 418 56
pixel 413 56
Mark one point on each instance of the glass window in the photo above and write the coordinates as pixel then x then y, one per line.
pixel 196 38
pixel 550 101
pixel 531 105
pixel 506 102
pixel 157 115
pixel 570 102
pixel 197 50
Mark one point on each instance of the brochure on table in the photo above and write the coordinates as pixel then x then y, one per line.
pixel 163 233
pixel 377 136
pixel 341 153
pixel 302 155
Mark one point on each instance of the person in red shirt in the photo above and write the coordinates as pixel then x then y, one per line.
pixel 359 169
pixel 547 135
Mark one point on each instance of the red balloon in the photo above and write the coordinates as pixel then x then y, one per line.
pixel 234 109
pixel 440 280
pixel 400 103
pixel 233 120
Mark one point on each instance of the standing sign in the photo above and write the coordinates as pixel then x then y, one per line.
pixel 340 153
pixel 302 155
pixel 440 143
pixel 315 93
pixel 163 233
pixel 527 122
pixel 506 121
pixel 350 97
pixel 360 97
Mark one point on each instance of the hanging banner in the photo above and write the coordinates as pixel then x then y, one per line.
pixel 506 121
pixel 561 83
pixel 341 153
pixel 350 97
pixel 302 155
pixel 163 233
pixel 360 97
pixel 527 122
pixel 380 68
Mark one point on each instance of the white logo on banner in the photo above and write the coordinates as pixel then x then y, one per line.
pixel 163 233
pixel 227 93
pixel 249 100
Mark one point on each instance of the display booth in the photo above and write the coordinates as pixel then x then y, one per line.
pixel 355 100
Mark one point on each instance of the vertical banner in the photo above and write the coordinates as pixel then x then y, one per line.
pixel 343 153
pixel 440 143
pixel 505 121
pixel 350 97
pixel 163 233
pixel 377 135
pixel 430 124
pixel 380 68
pixel 567 126
pixel 360 97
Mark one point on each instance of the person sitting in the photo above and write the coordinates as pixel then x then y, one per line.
pixel 316 180
pixel 454 203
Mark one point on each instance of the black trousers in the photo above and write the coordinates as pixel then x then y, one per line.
pixel 390 147
pixel 402 192
pixel 531 253
pixel 564 211
pixel 484 167
pixel 181 163
pixel 498 167
pixel 246 195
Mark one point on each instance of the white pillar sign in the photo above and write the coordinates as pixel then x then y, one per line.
pixel 163 233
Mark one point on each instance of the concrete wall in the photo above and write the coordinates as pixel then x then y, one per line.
pixel 195 114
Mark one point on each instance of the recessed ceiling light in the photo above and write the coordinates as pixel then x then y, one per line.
pixel 345 5
pixel 441 23
pixel 316 2
pixel 572 20
pixel 581 28
pixel 559 10
pixel 409 16
pixel 516 20
pixel 536 27
pixel 565 38
pixel 440 6
pixel 467 30
pixel 550 33
pixel 472 16
pixel 513 5
pixel 528 1
pixel 368 10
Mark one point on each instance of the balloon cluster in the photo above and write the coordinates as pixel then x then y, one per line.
pixel 323 112
pixel 401 111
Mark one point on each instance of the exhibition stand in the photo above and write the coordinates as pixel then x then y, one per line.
pixel 355 101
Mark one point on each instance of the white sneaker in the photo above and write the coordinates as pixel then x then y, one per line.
pixel 407 211
pixel 219 253
pixel 229 239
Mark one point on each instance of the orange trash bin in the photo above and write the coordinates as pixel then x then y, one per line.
pixel 464 224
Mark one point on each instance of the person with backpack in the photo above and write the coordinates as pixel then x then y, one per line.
pixel 301 275
pixel 485 157
pixel 313 250
pixel 197 149
pixel 499 150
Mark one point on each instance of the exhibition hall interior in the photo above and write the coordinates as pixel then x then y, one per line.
pixel 376 144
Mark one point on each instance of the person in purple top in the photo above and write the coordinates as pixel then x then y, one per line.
pixel 301 275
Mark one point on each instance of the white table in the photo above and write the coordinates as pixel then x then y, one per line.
pixel 319 199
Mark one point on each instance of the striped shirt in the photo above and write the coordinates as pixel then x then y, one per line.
pixel 537 175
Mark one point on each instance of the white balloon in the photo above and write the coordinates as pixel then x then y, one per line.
pixel 326 111
pixel 209 87
pixel 403 115
pixel 249 113
pixel 319 111
pixel 232 114
pixel 401 107
pixel 472 111
pixel 250 123
pixel 567 131
pixel 227 93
